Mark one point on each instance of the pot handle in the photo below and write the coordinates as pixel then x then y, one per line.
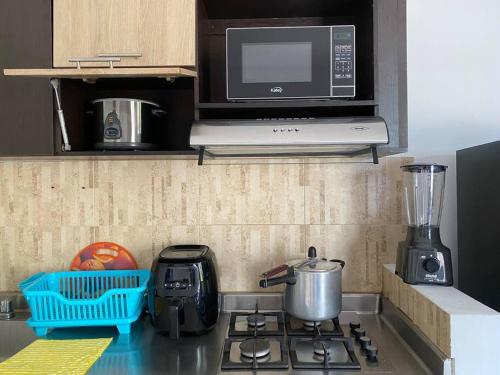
pixel 274 271
pixel 342 263
pixel 158 112
pixel 288 278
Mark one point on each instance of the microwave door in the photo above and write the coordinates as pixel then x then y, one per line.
pixel 278 63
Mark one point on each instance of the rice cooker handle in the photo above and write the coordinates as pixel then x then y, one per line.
pixel 342 263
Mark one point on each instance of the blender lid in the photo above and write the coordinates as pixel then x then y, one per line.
pixel 424 168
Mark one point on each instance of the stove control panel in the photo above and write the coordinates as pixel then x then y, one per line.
pixel 366 346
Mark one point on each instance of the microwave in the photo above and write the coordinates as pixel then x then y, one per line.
pixel 290 62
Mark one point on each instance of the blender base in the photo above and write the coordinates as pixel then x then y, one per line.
pixel 423 259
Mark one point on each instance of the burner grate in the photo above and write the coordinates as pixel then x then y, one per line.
pixel 311 359
pixel 254 362
pixel 257 330
pixel 327 328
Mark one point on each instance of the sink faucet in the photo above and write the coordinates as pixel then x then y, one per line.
pixel 6 309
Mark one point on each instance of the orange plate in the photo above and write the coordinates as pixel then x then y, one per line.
pixel 102 256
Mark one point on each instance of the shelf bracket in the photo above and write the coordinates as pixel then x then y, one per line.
pixel 374 154
pixel 201 155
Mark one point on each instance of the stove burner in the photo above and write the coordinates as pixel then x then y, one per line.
pixel 264 359
pixel 327 328
pixel 270 353
pixel 256 323
pixel 309 353
pixel 256 319
pixel 320 346
pixel 255 346
pixel 310 326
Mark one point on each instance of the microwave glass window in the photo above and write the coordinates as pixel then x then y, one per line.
pixel 276 62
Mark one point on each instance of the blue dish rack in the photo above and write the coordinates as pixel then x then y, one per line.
pixel 88 298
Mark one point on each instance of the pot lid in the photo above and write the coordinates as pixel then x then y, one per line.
pixel 124 100
pixel 315 265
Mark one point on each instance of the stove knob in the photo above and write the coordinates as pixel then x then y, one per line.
pixel 358 333
pixel 354 324
pixel 431 265
pixel 371 352
pixel 365 341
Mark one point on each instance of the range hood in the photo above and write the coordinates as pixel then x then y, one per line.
pixel 311 137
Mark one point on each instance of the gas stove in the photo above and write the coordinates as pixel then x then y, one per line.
pixel 261 340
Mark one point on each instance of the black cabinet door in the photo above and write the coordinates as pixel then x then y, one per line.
pixel 26 126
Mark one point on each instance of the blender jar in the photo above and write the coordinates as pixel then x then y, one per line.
pixel 423 190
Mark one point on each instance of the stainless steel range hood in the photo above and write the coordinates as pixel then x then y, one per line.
pixel 314 137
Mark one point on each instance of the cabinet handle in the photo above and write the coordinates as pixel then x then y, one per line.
pixel 124 55
pixel 79 60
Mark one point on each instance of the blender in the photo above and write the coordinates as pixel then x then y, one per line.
pixel 422 258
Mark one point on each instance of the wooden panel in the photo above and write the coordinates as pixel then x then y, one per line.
pixel 252 194
pixel 251 215
pixel 163 31
pixel 76 29
pixel 433 321
pixel 159 192
pixel 372 194
pixel 364 248
pixel 102 72
pixel 168 32
pixel 27 250
pixel 25 103
pixel 245 251
pixel 47 194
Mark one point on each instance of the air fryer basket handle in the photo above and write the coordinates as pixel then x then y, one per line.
pixel 174 308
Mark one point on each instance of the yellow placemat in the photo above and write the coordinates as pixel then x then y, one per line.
pixel 54 357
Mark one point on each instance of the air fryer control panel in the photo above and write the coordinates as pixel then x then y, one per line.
pixel 343 64
pixel 179 280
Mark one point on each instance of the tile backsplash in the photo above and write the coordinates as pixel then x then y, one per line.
pixel 254 216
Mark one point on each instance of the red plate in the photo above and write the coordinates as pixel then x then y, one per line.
pixel 102 256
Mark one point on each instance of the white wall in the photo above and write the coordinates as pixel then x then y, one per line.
pixel 453 86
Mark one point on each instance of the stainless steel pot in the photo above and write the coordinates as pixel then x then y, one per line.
pixel 313 287
pixel 124 124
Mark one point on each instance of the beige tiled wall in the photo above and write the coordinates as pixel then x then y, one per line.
pixel 254 216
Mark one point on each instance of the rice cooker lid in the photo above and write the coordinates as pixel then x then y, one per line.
pixel 184 253
pixel 124 100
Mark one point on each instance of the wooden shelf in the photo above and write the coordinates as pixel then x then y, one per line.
pixel 288 104
pixel 190 154
pixel 94 73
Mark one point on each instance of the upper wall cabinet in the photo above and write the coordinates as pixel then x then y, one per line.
pixel 121 38
pixel 138 32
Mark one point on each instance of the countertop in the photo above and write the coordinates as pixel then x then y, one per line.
pixel 146 352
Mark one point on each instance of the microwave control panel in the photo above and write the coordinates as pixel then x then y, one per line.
pixel 343 61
